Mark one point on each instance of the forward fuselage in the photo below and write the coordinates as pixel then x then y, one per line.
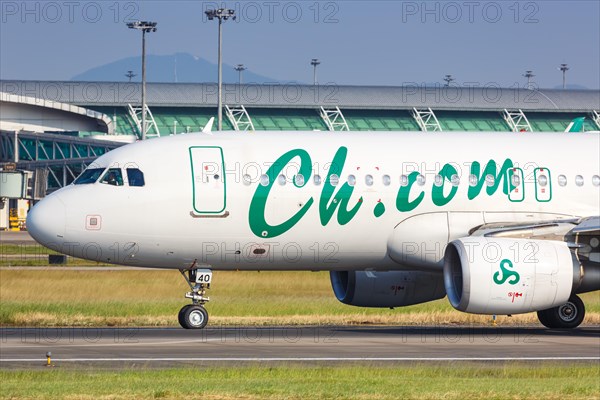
pixel 267 201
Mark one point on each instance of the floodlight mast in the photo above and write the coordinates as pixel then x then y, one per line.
pixel 240 68
pixel 145 27
pixel 315 62
pixel 130 75
pixel 448 79
pixel 529 75
pixel 564 68
pixel 222 14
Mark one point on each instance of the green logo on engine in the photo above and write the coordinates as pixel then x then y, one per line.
pixel 500 277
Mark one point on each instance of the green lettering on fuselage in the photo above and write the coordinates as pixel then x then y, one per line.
pixel 327 206
pixel 260 227
pixel 332 202
pixel 402 200
pixel 437 194
pixel 490 169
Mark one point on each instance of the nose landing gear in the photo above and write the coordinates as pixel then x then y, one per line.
pixel 195 316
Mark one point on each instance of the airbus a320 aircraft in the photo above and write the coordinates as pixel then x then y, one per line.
pixel 501 223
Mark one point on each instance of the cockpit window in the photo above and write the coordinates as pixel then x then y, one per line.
pixel 113 177
pixel 135 177
pixel 88 176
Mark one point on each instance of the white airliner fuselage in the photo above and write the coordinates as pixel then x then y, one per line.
pixel 315 200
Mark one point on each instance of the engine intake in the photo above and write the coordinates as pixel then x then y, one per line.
pixel 508 276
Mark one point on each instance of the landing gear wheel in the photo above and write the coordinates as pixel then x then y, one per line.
pixel 567 316
pixel 543 318
pixel 193 317
pixel 181 316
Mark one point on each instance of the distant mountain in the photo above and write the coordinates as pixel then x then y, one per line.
pixel 180 67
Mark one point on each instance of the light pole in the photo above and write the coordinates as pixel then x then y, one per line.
pixel 528 75
pixel 448 79
pixel 222 14
pixel 240 68
pixel 130 75
pixel 315 62
pixel 144 26
pixel 564 68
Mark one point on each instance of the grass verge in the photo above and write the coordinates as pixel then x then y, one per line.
pixel 34 255
pixel 153 298
pixel 24 249
pixel 372 382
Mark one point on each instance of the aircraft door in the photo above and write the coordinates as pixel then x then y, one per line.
pixel 516 181
pixel 208 180
pixel 543 185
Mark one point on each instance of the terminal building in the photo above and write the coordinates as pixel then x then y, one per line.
pixel 51 130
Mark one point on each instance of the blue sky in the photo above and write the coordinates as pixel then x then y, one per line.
pixel 358 42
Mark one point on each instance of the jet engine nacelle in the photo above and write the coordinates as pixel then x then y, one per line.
pixel 386 289
pixel 486 275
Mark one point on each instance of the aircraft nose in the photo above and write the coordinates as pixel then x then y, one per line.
pixel 46 222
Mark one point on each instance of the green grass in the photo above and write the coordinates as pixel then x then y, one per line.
pixel 17 249
pixel 369 382
pixel 42 261
pixel 34 255
pixel 153 298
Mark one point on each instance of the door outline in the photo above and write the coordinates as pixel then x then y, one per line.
pixel 223 175
pixel 536 173
pixel 509 174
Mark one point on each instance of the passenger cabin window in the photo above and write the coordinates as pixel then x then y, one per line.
pixel 386 180
pixel 369 180
pixel 579 180
pixel 351 180
pixel 334 180
pixel 113 177
pixel 562 180
pixel 135 177
pixel 455 180
pixel 473 180
pixel 404 180
pixel 89 176
pixel 317 179
pixel 596 180
pixel 264 180
pixel 516 180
